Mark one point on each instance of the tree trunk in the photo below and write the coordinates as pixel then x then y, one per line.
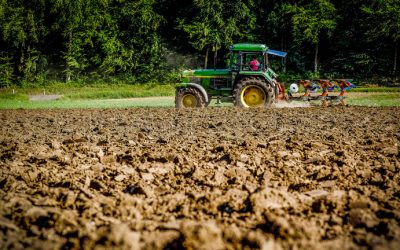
pixel 67 69
pixel 215 57
pixel 19 59
pixel 284 46
pixel 206 59
pixel 316 58
pixel 395 59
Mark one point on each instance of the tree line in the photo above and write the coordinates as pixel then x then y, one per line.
pixel 151 40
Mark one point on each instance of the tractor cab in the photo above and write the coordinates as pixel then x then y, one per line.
pixel 243 53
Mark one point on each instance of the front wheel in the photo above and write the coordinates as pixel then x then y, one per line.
pixel 251 93
pixel 189 98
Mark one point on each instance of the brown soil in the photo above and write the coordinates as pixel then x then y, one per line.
pixel 214 178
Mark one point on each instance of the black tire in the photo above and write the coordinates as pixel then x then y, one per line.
pixel 189 97
pixel 253 92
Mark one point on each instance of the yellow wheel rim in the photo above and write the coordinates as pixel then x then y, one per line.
pixel 189 101
pixel 253 96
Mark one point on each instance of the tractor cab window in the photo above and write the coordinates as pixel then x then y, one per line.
pixel 235 61
pixel 252 62
pixel 247 61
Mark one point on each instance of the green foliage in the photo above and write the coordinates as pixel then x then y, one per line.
pixel 218 24
pixel 310 20
pixel 21 28
pixel 384 20
pixel 111 36
pixel 6 71
pixel 384 15
pixel 91 41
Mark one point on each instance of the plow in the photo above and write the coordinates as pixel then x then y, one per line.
pixel 249 81
pixel 312 86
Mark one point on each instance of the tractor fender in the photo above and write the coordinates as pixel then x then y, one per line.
pixel 199 87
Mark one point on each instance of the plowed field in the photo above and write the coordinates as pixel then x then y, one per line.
pixel 214 178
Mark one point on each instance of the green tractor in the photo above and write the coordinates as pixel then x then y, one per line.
pixel 248 82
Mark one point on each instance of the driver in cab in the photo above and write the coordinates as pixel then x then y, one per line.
pixel 254 64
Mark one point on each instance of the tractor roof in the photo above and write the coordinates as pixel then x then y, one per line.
pixel 249 47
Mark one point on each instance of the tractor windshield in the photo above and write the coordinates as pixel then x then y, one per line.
pixel 247 61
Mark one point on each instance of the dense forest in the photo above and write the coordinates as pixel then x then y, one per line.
pixel 151 40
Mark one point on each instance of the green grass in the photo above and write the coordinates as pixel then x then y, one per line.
pixel 365 89
pixel 92 96
pixel 375 89
pixel 150 102
pixel 13 97
pixel 93 103
pixel 98 91
pixel 125 91
pixel 374 99
pixel 125 96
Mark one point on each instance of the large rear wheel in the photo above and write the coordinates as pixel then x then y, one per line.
pixel 189 98
pixel 253 92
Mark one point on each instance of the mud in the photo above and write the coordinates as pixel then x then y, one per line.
pixel 214 178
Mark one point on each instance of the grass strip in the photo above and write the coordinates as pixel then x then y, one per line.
pixel 357 99
pixel 92 91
